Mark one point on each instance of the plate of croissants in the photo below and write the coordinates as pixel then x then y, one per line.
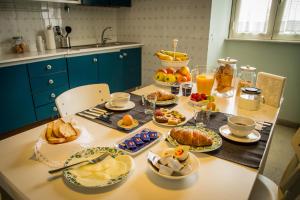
pixel 163 98
pixel 198 138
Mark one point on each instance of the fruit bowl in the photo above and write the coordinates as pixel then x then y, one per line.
pixel 175 64
pixel 198 99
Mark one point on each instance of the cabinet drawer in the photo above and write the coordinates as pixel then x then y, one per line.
pixel 48 96
pixel 47 67
pixel 46 111
pixel 43 83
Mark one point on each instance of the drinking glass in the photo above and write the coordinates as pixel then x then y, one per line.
pixel 150 104
pixel 204 78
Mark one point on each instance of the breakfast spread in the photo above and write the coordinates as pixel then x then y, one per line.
pixel 172 162
pixel 161 96
pixel 58 132
pixel 92 175
pixel 137 142
pixel 170 75
pixel 191 137
pixel 169 117
pixel 128 122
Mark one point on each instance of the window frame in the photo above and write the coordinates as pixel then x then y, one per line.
pixel 273 27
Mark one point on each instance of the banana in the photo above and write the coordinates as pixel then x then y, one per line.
pixel 177 54
pixel 163 56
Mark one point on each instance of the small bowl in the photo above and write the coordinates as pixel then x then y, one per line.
pixel 241 126
pixel 119 99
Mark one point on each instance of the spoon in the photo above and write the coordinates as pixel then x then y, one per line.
pixel 68 30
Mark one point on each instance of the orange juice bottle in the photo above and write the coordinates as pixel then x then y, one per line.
pixel 205 83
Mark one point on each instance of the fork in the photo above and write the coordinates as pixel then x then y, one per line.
pixel 93 161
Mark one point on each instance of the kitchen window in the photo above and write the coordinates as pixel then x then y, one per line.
pixel 265 20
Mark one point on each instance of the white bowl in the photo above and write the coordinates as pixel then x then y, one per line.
pixel 119 99
pixel 241 126
pixel 175 64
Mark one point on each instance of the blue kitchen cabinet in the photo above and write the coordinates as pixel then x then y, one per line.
pixel 82 70
pixel 121 3
pixel 110 71
pixel 132 66
pixel 16 105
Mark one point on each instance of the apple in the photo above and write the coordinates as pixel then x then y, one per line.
pixel 184 70
pixel 162 70
pixel 170 78
pixel 178 77
pixel 160 76
pixel 189 77
pixel 170 70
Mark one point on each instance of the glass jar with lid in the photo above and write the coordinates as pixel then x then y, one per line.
pixel 250 98
pixel 18 44
pixel 246 78
pixel 224 77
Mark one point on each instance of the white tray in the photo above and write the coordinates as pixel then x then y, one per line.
pixel 160 136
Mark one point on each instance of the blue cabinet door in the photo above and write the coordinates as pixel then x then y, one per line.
pixel 110 71
pixel 132 67
pixel 82 70
pixel 15 96
pixel 96 2
pixel 126 3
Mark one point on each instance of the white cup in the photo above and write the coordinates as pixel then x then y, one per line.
pixel 241 126
pixel 119 99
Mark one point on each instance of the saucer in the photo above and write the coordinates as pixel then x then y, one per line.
pixel 129 105
pixel 254 136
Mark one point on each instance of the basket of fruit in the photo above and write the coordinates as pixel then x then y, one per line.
pixel 169 76
pixel 172 59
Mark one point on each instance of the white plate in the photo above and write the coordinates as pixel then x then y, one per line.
pixel 194 161
pixel 54 155
pixel 167 102
pixel 175 64
pixel 216 140
pixel 254 136
pixel 199 103
pixel 169 125
pixel 129 106
pixel 88 154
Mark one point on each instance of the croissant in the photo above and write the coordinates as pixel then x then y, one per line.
pixel 191 137
pixel 162 95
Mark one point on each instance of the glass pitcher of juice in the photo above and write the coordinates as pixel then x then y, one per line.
pixel 204 78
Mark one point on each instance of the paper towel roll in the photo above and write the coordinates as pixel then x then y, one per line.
pixel 50 39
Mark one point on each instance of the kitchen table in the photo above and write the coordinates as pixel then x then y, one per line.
pixel 25 178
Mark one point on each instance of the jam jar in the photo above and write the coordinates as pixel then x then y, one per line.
pixel 224 77
pixel 246 78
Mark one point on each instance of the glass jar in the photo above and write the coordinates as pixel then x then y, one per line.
pixel 224 77
pixel 247 78
pixel 18 44
pixel 250 98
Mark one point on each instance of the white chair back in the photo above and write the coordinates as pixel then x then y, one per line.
pixel 81 98
pixel 272 87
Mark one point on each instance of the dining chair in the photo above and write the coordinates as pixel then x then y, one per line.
pixel 272 87
pixel 81 98
pixel 288 188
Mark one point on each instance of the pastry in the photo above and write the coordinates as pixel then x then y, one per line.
pixel 162 96
pixel 58 132
pixel 191 137
pixel 161 119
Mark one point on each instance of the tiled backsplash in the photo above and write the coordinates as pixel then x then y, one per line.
pixel 29 19
pixel 156 23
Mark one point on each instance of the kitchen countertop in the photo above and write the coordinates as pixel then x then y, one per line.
pixel 13 59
